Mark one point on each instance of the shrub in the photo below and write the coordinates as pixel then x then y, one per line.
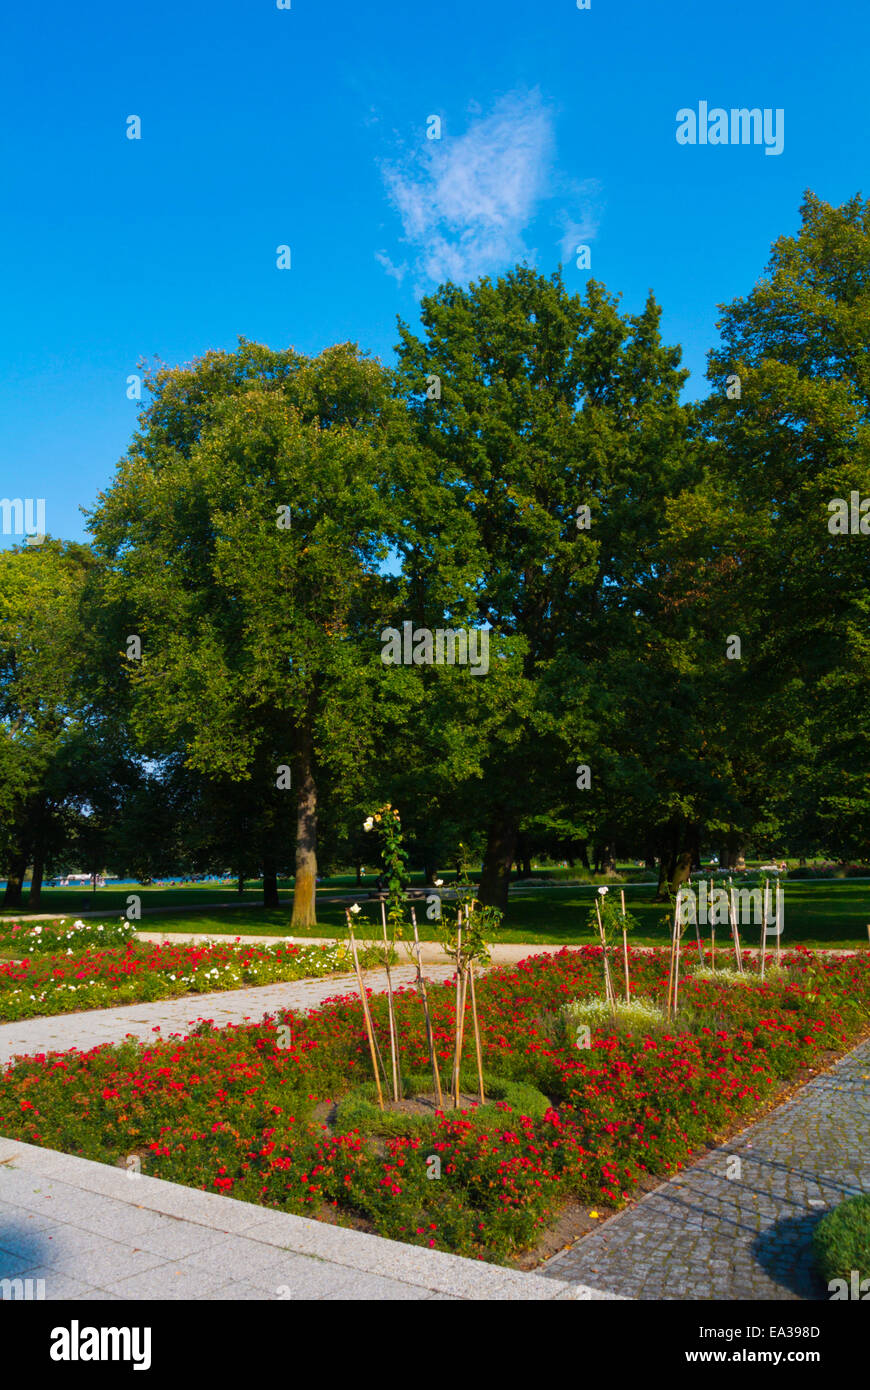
pixel 841 1241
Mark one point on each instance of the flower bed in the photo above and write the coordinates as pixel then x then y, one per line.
pixel 32 938
pixel 98 979
pixel 251 1110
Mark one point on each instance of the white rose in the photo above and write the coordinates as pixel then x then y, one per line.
pixel 438 882
pixel 602 890
pixel 367 824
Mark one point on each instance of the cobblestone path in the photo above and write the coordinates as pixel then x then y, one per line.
pixel 703 1235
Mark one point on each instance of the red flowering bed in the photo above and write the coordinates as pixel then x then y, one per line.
pixel 94 978
pixel 234 1110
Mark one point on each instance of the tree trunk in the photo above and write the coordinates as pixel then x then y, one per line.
pixel 305 886
pixel 36 879
pixel 15 881
pixel 500 848
pixel 430 869
pixel 682 870
pixel 358 873
pixel 270 881
pixel 694 843
pixel 240 884
pixel 664 879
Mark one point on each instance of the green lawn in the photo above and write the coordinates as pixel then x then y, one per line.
pixel 826 913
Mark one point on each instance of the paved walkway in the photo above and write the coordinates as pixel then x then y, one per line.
pixel 90 1231
pixel 93 1026
pixel 705 1235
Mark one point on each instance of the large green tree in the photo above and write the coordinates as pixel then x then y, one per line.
pixel 244 537
pixel 530 404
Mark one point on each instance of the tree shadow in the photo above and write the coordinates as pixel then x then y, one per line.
pixel 785 1253
pixel 20 1250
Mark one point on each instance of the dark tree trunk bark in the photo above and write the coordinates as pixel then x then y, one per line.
pixel 35 893
pixel 240 882
pixel 15 881
pixel 584 856
pixel 305 885
pixel 500 850
pixel 270 882
pixel 694 846
pixel 664 879
pixel 358 873
pixel 430 870
pixel 682 870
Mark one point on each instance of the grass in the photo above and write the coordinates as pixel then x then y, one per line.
pixel 822 912
pixel 830 913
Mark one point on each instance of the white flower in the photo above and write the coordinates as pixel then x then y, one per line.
pixel 438 882
pixel 367 824
pixel 603 890
pixel 355 908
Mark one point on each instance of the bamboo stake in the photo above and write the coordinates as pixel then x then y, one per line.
pixel 676 967
pixel 430 1037
pixel 780 920
pixel 764 904
pixel 461 1037
pixel 713 946
pixel 608 986
pixel 671 957
pixel 625 945
pixel 394 1053
pixel 476 1033
pixel 460 1008
pixel 365 1005
pixel 735 933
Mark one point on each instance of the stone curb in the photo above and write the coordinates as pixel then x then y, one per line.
pixel 427 1272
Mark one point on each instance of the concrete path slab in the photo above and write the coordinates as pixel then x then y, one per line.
pixel 94 1026
pixel 71 1228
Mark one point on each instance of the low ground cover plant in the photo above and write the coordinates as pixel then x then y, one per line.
pixel 841 1242
pixel 283 1112
pixel 96 977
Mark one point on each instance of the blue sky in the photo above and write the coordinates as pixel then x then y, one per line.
pixel 307 127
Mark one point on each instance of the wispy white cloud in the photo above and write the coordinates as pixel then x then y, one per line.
pixel 465 201
pixel 398 272
pixel 579 230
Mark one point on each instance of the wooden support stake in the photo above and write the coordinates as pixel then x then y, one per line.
pixel 476 1034
pixel 677 963
pixel 370 1034
pixel 394 1051
pixel 430 1036
pixel 625 946
pixel 735 934
pixel 460 1008
pixel 764 904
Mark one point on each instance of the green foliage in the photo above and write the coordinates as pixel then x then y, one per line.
pixel 841 1240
